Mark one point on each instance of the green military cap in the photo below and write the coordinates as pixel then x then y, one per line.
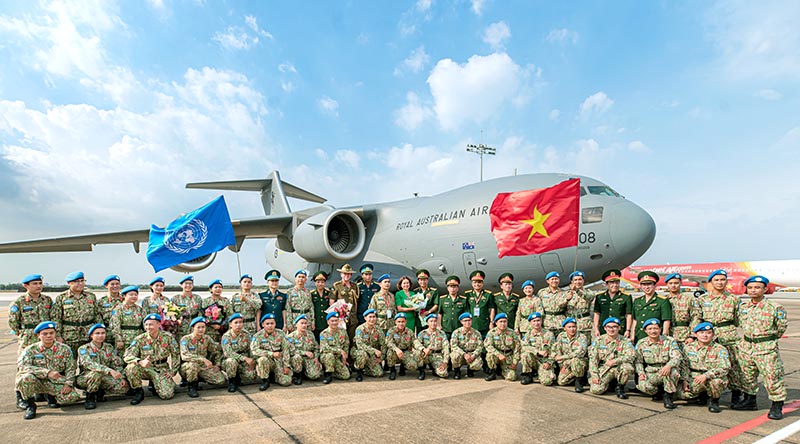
pixel 477 275
pixel 452 279
pixel 273 275
pixel 612 275
pixel 320 274
pixel 423 273
pixel 508 276
pixel 647 276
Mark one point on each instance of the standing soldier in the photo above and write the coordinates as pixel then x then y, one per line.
pixel 321 298
pixel 536 354
pixel 528 305
pixel 569 352
pixel 273 301
pixel 189 302
pixel 433 348
pixel 763 322
pixel 657 363
pixel 721 308
pixel 200 356
pixel 650 306
pixel 156 301
pixel 481 305
pixel 431 294
pixel 109 302
pixel 246 303
pixel 127 319
pixel 333 346
pixel 466 347
pixel 613 303
pixel 366 288
pixel 554 302
pixel 305 352
pixel 400 347
pixel 272 352
pixel 579 303
pixel 74 311
pixel 101 368
pixel 370 347
pixel 610 360
pixel 238 363
pixel 503 350
pixel 347 290
pixel 25 313
pixel 298 300
pixel 46 367
pixel 505 300
pixel 706 374
pixel 216 309
pixel 451 306
pixel 383 303
pixel 155 356
pixel 685 310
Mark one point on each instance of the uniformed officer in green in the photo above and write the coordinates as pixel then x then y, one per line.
pixel 506 301
pixel 25 313
pixel 650 306
pixel 108 302
pixel 273 300
pixel 347 290
pixel 366 288
pixel 321 298
pixel 613 303
pixel 431 294
pixel 481 303
pixel 74 311
pixel 451 306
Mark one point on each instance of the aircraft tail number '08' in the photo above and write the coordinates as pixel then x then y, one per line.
pixel 586 238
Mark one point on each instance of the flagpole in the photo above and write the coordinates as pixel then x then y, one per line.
pixel 238 263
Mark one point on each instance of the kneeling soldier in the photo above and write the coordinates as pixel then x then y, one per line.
pixel 333 346
pixel 155 356
pixel 369 347
pixel 536 344
pixel 466 347
pixel 706 375
pixel 610 360
pixel 238 363
pixel 101 368
pixel 305 351
pixel 400 347
pixel 201 356
pixel 657 363
pixel 569 352
pixel 272 352
pixel 433 348
pixel 502 350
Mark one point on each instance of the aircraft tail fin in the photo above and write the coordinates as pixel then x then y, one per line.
pixel 274 191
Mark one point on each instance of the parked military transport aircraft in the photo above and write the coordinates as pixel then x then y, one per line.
pixel 447 234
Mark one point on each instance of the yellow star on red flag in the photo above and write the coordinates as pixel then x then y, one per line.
pixel 537 223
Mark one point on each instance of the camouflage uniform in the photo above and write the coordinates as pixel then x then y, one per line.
pixel 505 343
pixel 36 361
pixel 153 304
pixel 464 341
pixel 263 345
pixel 73 315
pixel 300 362
pixel 723 312
pixel 527 306
pixel 234 349
pixel 555 307
pixel 193 351
pixel 95 366
pixel 107 305
pixel 191 306
pixel 246 304
pixel 440 350
pixel 573 361
pixel 224 306
pixel 349 295
pixel 508 305
pixel 651 357
pixel 605 349
pixel 164 356
pixel 368 341
pixel 401 341
pixel 298 301
pixel 579 306
pixel 126 323
pixel 762 323
pixel 24 314
pixel 383 304
pixel 535 352
pixel 331 345
pixel 711 360
pixel 685 316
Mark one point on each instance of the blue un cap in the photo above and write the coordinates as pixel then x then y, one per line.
pixel 551 275
pixel 534 315
pixel 761 279
pixel 95 327
pixel 44 326
pixel 431 316
pixel 673 276
pixel 331 315
pixel 129 289
pixel 463 316
pixel 610 321
pixel 576 273
pixel 74 276
pixel 265 317
pixel 651 321
pixel 155 280
pixel 188 277
pixel 717 272
pixel 109 278
pixel 568 321
pixel 152 317
pixel 299 318
pixel 198 320
pixel 529 282
pixel 703 326
pixel 500 316
pixel 31 277
pixel 235 316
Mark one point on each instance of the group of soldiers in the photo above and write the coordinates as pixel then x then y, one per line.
pixel 674 345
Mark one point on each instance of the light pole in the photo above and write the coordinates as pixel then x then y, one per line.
pixel 481 149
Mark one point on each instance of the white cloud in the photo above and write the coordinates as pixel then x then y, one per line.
pixel 562 35
pixel 769 94
pixel 287 86
pixel 287 67
pixel 413 114
pixel 157 4
pixel 349 158
pixel 414 63
pixel 242 38
pixel 554 114
pixel 597 103
pixel 497 33
pixel 477 6
pixel 424 5
pixel 639 147
pixel 329 105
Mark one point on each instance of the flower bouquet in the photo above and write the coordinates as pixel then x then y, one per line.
pixel 170 314
pixel 342 310
pixel 418 302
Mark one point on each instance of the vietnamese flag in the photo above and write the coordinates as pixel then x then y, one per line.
pixel 535 221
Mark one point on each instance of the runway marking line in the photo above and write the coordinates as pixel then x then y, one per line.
pixel 747 425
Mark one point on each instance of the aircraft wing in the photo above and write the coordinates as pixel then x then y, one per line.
pixel 260 227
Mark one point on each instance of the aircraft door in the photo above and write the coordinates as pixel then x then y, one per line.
pixel 551 262
pixel 470 263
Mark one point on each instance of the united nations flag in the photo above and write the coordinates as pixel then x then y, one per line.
pixel 203 231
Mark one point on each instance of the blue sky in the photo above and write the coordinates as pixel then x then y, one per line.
pixel 107 109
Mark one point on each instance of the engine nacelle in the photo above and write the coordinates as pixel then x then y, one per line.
pixel 330 237
pixel 197 264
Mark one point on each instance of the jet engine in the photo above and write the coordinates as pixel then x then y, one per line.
pixel 330 237
pixel 197 264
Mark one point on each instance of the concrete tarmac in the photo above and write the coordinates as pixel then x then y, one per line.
pixel 405 410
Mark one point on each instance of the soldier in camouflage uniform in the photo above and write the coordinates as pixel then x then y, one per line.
pixel 383 303
pixel 570 354
pixel 706 374
pixel 333 346
pixel 74 311
pixel 685 310
pixel 247 303
pixel 658 361
pixel 46 366
pixel 155 302
pixel 347 290
pixel 528 305
pixel 580 303
pixel 610 360
pixel 322 298
pixel 433 348
pixel 155 356
pixel 108 303
pixel 272 352
pixel 535 355
pixel 466 347
pixel 503 349
pixel 554 303
pixel 238 363
pixel 127 319
pixel 190 304
pixel 200 356
pixel 507 301
pixel 101 370
pixel 216 309
pixel 298 300
pixel 400 347
pixel 369 348
pixel 305 352
pixel 763 322
pixel 431 294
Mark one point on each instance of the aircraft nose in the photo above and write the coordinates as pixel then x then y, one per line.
pixel 632 232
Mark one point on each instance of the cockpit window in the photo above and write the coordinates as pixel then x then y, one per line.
pixel 592 215
pixel 583 191
pixel 602 190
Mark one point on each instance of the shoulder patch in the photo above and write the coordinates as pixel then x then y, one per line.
pixel 14 309
pixel 82 351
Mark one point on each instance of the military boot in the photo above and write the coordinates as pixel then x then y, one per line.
pixel 776 411
pixel 21 403
pixel 30 411
pixel 359 374
pixel 470 373
pixel 328 378
pixel 491 374
pixel 392 373
pixel 668 404
pixel 231 385
pixel 152 389
pixel 297 379
pixel 402 371
pixel 457 374
pixel 578 386
pixel 52 402
pixel 90 403
pixel 526 379
pixel 193 389
pixel 703 399
pixel 100 395
pixel 264 384
pixel 736 396
pixel 620 391
pixel 659 395
pixel 421 374
pixel 747 403
pixel 183 382
pixel 713 405
pixel 138 396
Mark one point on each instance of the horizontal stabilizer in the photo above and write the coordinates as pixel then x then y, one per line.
pixel 258 185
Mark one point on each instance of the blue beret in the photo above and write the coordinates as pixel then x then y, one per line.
pixel 366 268
pixel 400 315
pixel 156 279
pixel 673 276
pixel 651 321
pixel 129 289
pixel 214 282
pixel 529 282
pixel 235 316
pixel 299 272
pixel 331 315
pixel 44 326
pixel 534 315
pixel 568 320
pixel 552 274
pixel 265 317
pixel 463 316
pixel 245 276
pixel 761 279
pixel 432 315
pixel 576 273
pixel 703 326
pixel 383 277
pixel 717 272
pixel 31 277
pixel 188 277
pixel 95 327
pixel 74 276
pixel 499 316
pixel 299 318
pixel 611 320
pixel 198 319
pixel 368 312
pixel 152 317
pixel 109 278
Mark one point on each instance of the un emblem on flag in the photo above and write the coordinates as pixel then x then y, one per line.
pixel 187 238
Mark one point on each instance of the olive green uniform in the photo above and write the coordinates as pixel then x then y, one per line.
pixel 368 342
pixel 300 345
pixel 507 304
pixel 479 307
pixel 439 346
pixel 603 350
pixel 331 345
pixel 651 356
pixel 262 346
pixel 536 351
pixel 555 305
pixel 235 348
pixel 126 323
pixel 383 304
pixel 401 341
pixel 618 307
pixel 657 307
pixel 465 341
pixel 571 356
pixel 36 361
pixel 450 309
pixel 710 360
pixel 24 314
pixel 527 306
